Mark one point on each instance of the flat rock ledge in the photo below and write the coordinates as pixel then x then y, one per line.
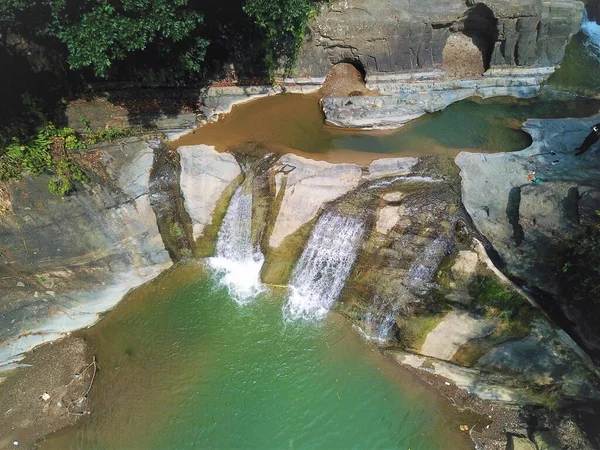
pixel 405 97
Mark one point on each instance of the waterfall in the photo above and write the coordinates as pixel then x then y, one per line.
pixel 379 321
pixel 323 267
pixel 236 261
pixel 592 32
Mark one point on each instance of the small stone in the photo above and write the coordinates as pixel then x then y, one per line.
pixel 45 396
pixel 59 404
pixel 20 284
pixel 15 443
pixel 446 383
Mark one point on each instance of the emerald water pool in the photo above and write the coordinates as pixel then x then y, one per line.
pixel 183 366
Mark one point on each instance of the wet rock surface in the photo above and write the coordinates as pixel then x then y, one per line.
pixel 523 201
pixel 66 260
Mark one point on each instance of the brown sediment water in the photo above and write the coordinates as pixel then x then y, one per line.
pixel 295 123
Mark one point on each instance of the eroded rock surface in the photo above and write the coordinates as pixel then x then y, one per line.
pixel 305 186
pixel 66 260
pixel 404 35
pixel 522 218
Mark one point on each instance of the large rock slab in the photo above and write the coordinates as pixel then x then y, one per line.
pixel 514 213
pixel 521 219
pixel 67 260
pixel 407 97
pixel 455 329
pixel 307 185
pixel 205 174
pixel 546 356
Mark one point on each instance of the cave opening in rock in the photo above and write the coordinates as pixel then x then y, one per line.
pixel 482 27
pixel 346 78
pixel 358 65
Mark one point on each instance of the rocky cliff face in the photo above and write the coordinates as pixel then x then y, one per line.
pixel 67 260
pixel 402 35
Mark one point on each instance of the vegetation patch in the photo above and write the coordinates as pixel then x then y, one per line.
pixel 284 25
pixel 52 150
pixel 577 263
pixel 493 299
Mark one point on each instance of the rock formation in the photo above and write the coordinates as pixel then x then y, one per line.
pixel 67 260
pixel 395 36
pixel 522 219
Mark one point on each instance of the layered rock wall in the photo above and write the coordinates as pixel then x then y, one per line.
pixel 391 36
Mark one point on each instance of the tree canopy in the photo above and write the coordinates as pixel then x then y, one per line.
pixel 97 33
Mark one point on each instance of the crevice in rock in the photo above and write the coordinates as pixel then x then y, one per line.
pixel 166 200
pixel 570 205
pixel 512 211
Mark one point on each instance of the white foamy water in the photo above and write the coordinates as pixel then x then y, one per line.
pixel 324 266
pixel 236 262
pixel 592 31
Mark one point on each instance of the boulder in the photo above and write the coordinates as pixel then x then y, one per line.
pixel 304 186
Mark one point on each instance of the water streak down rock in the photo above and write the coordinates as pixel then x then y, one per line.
pixel 324 266
pixel 236 259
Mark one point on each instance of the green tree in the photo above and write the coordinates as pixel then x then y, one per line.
pixel 97 33
pixel 284 23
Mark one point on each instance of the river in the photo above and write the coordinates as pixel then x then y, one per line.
pixel 185 364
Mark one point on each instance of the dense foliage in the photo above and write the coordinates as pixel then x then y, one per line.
pixel 96 33
pixel 577 262
pixel 51 150
pixel 284 22
pixel 54 48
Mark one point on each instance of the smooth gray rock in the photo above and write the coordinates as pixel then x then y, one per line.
pixel 76 256
pixel 205 175
pixel 521 219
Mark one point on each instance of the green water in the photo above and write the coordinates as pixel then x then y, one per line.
pixel 182 366
pixel 580 69
pixel 492 125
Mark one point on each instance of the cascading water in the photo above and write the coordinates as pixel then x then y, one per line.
pixel 379 321
pixel 324 265
pixel 592 32
pixel 236 260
